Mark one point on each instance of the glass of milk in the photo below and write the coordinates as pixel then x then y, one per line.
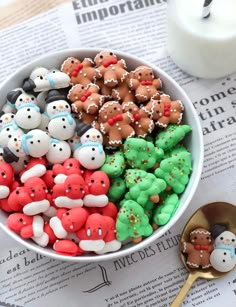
pixel 203 47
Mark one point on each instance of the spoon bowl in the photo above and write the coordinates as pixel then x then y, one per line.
pixel 206 216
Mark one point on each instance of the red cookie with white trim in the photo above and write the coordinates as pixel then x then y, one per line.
pixel 115 123
pixel 69 194
pixel 85 98
pixel 144 84
pixel 97 186
pixel 79 72
pixel 35 167
pixel 110 68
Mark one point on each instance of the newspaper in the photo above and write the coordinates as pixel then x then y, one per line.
pixel 154 275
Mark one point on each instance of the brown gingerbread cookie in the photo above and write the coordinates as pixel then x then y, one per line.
pixel 198 248
pixel 80 72
pixel 164 111
pixel 142 123
pixel 122 92
pixel 104 90
pixel 110 68
pixel 86 98
pixel 115 123
pixel 144 84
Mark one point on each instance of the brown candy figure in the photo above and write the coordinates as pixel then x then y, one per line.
pixel 80 72
pixel 85 98
pixel 198 248
pixel 164 111
pixel 115 123
pixel 142 123
pixel 110 68
pixel 144 83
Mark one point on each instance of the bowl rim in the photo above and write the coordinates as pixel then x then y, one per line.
pixel 163 229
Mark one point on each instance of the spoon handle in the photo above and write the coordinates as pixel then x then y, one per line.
pixel 184 290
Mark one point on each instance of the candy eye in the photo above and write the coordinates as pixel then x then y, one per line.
pixel 208 238
pixel 233 240
pixel 2 173
pixel 70 164
pixel 87 136
pixel 115 108
pixel 102 181
pixel 67 213
pixel 54 145
pixel 98 136
pixel 101 56
pixel 140 74
pixel 21 220
pixel 221 238
pixel 92 181
pixel 111 53
pixel 72 61
pixel 33 190
pixel 150 73
pixel 195 238
pixel 54 107
pixel 69 188
pixel 82 87
pixel 12 116
pixel 41 78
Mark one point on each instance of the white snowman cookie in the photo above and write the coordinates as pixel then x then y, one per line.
pixel 59 151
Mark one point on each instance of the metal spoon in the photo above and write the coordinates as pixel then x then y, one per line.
pixel 206 216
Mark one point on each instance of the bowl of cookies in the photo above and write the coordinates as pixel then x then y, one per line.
pixel 100 154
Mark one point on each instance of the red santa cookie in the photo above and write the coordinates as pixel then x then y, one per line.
pixel 115 123
pixel 69 194
pixel 68 221
pixel 110 68
pixel 164 111
pixel 85 98
pixel 6 185
pixel 35 167
pixel 144 84
pixel 97 186
pixel 79 72
pixel 142 123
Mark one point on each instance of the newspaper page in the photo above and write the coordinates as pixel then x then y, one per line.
pixel 154 275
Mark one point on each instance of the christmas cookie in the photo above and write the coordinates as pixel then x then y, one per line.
pixel 164 111
pixel 171 136
pixel 143 186
pixel 198 248
pixel 132 222
pixel 115 123
pixel 144 84
pixel 141 154
pixel 85 98
pixel 114 164
pixel 142 124
pixel 79 72
pixel 117 189
pixel 175 171
pixel 110 68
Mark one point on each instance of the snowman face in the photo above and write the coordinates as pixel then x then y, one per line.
pixel 60 128
pixel 28 118
pixel 59 151
pixel 226 238
pixel 38 71
pixel 15 146
pixel 59 106
pixel 53 79
pixel 25 98
pixel 90 157
pixel 92 135
pixel 38 143
pixel 6 119
pixel 9 132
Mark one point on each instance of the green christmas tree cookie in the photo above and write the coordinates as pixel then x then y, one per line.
pixel 114 164
pixel 175 171
pixel 171 136
pixel 117 189
pixel 132 222
pixel 143 186
pixel 175 151
pixel 163 213
pixel 141 154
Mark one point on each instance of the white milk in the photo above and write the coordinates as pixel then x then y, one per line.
pixel 204 48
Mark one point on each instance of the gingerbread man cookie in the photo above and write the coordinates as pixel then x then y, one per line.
pixel 144 84
pixel 198 248
pixel 79 72
pixel 165 111
pixel 142 124
pixel 85 98
pixel 110 68
pixel 114 123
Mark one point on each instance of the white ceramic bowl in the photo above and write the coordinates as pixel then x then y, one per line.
pixel 193 140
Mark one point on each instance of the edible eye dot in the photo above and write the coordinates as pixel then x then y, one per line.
pixel 98 136
pixel 233 240
pixel 31 142
pixel 21 220
pixel 21 99
pixel 150 73
pixel 102 181
pixel 82 87
pixel 60 149
pixel 101 56
pixel 92 181
pixel 67 213
pixel 54 107
pixel 72 62
pixel 87 136
pixel 111 53
pixel 41 78
pixel 221 238
pixel 70 164
pixel 12 116
pixel 140 74
pixel 17 150
pixel 54 145
pixel 33 190
pixel 195 238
